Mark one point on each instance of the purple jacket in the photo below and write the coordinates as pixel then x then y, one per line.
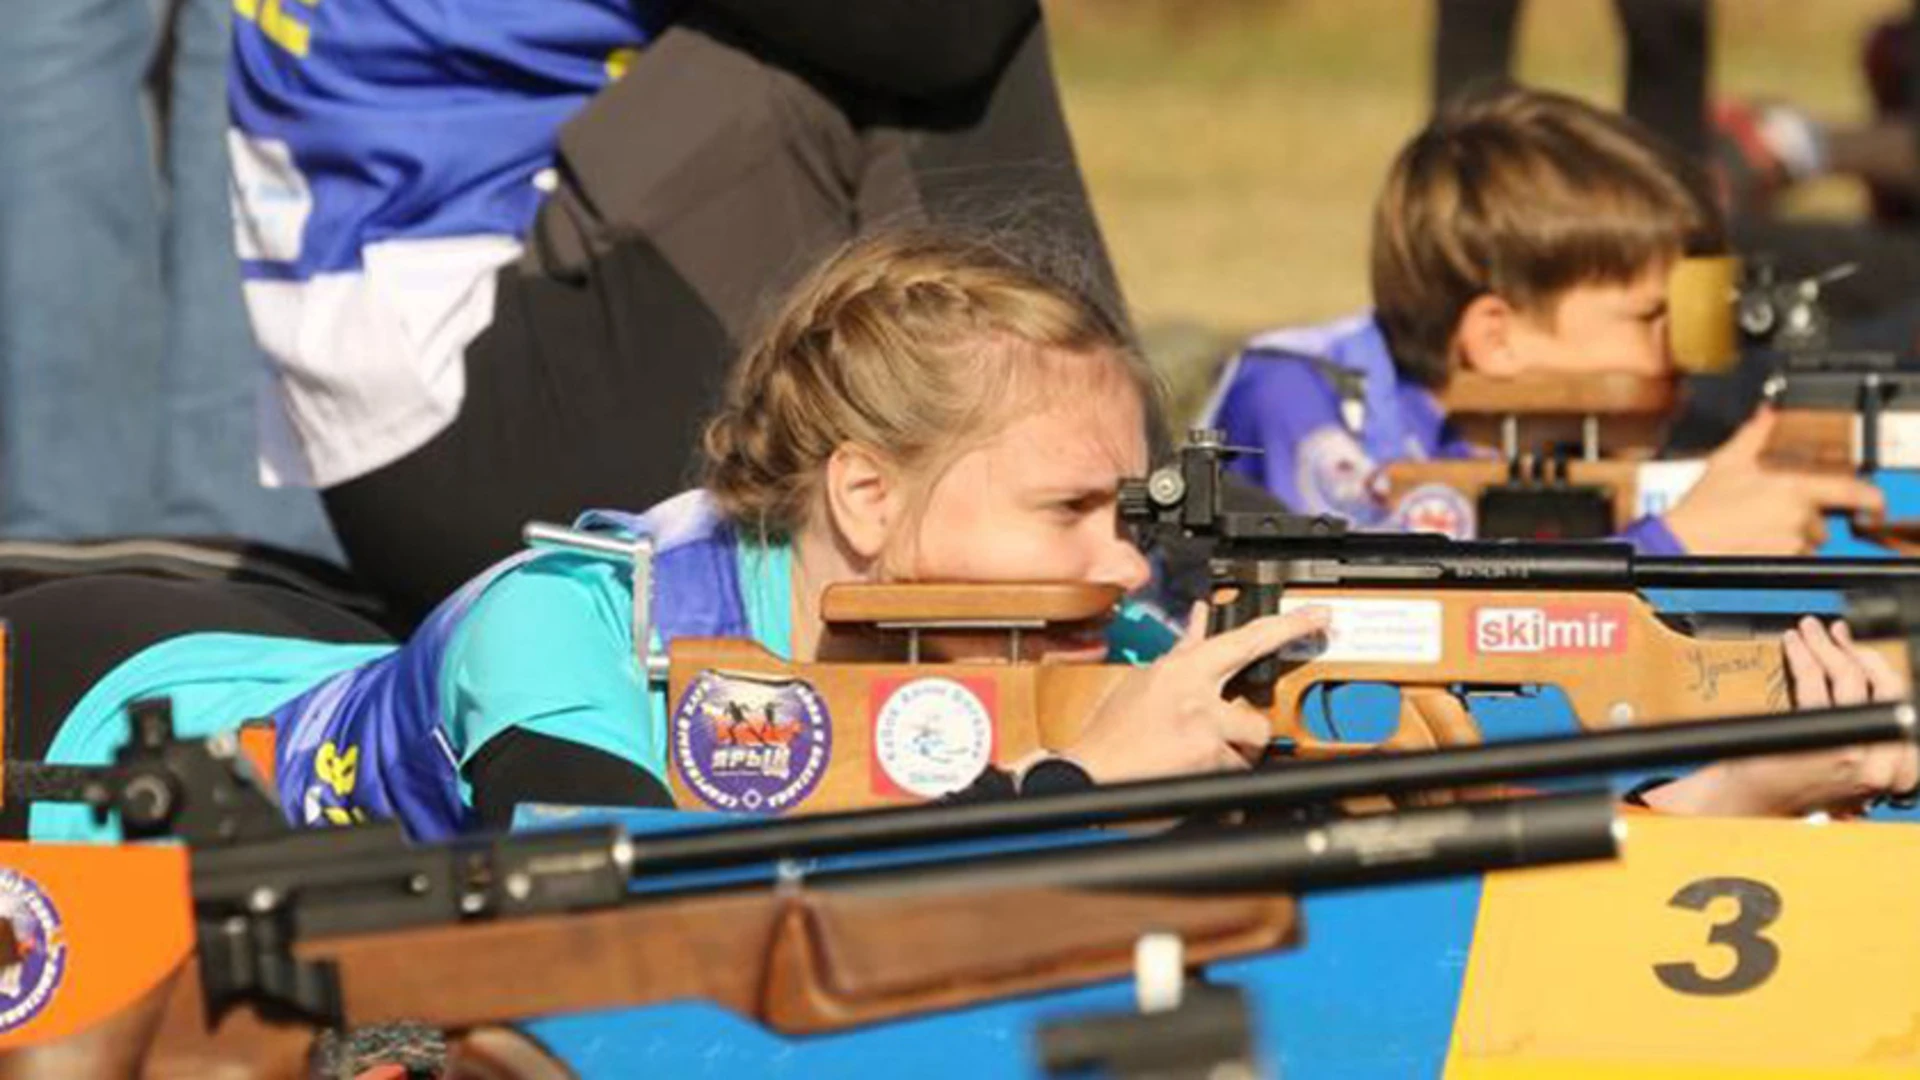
pixel 1326 408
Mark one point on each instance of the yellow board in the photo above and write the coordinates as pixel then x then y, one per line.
pixel 1715 948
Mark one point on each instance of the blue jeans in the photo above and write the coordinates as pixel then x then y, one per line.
pixel 127 368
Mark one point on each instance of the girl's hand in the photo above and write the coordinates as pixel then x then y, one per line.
pixel 1169 718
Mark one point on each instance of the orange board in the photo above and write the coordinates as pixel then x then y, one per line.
pixel 1714 948
pixel 94 928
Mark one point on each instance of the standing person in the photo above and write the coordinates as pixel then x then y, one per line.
pixel 127 369
pixel 500 265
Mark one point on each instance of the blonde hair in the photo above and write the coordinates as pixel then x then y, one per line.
pixel 915 344
pixel 1522 194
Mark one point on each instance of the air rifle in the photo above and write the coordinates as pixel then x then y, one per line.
pixel 1441 619
pixel 292 932
pixel 889 716
pixel 1575 456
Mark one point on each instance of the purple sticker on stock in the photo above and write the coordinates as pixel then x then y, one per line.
pixel 749 743
pixel 32 969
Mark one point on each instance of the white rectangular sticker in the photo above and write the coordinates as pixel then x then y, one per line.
pixel 1660 484
pixel 1371 631
pixel 1899 440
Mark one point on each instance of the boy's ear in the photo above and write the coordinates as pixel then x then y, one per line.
pixel 1483 339
pixel 864 499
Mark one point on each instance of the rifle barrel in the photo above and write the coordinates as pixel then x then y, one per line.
pixel 1403 846
pixel 1295 784
pixel 1734 572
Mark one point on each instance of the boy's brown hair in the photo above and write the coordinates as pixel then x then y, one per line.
pixel 1523 194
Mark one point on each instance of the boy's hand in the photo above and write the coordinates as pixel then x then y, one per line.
pixel 1825 668
pixel 1741 507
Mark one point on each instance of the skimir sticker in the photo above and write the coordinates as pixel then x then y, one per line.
pixel 753 743
pixel 930 736
pixel 33 951
pixel 1550 630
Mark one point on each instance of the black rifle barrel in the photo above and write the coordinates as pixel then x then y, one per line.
pixel 1404 846
pixel 1292 784
pixel 1362 559
pixel 1734 572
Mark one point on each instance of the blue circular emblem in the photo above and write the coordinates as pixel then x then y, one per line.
pixel 34 961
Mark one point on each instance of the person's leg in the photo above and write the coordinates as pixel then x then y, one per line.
pixel 211 484
pixel 1472 43
pixel 1668 57
pixel 1000 160
pixel 80 307
pixel 64 637
pixel 580 394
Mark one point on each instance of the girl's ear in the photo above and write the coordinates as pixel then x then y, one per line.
pixel 1483 339
pixel 864 499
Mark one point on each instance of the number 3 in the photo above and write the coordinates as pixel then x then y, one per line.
pixel 1754 956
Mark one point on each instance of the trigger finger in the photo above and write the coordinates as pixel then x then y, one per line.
pixel 1243 726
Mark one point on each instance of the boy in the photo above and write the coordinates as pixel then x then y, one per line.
pixel 1520 233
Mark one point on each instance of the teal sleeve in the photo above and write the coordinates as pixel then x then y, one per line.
pixel 549 649
pixel 1139 634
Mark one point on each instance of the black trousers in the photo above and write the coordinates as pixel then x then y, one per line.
pixel 1668 48
pixel 694 191
pixel 65 636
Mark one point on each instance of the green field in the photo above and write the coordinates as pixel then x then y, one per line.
pixel 1233 147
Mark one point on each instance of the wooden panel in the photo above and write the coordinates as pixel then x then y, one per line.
pixel 977 603
pixel 1610 394
pixel 1814 439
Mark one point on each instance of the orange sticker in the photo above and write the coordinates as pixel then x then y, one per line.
pixel 94 928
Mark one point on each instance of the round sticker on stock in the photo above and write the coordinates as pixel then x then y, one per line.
pixel 33 951
pixel 751 743
pixel 1436 508
pixel 932 737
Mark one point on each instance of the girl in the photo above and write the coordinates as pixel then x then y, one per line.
pixel 921 407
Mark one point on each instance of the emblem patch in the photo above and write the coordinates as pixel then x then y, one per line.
pixel 931 736
pixel 751 743
pixel 1435 508
pixel 1335 476
pixel 33 959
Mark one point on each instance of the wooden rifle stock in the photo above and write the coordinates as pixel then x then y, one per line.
pixel 796 964
pixel 1838 414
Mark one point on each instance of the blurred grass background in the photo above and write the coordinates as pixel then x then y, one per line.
pixel 1234 147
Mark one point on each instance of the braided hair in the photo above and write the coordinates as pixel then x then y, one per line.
pixel 915 344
